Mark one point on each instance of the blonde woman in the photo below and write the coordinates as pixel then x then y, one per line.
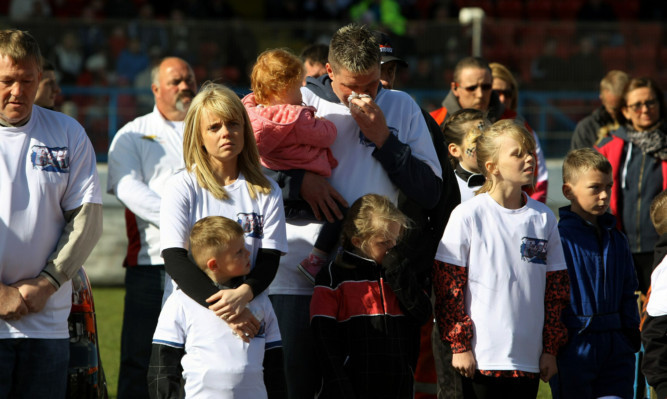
pixel 222 177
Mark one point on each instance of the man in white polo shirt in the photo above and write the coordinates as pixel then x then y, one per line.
pixel 50 220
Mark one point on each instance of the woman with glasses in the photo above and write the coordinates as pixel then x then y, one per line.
pixel 638 154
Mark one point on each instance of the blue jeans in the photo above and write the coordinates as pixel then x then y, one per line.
pixel 302 370
pixel 33 368
pixel 144 286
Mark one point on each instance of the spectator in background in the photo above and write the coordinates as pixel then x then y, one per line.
pixel 546 70
pixel 607 117
pixel 69 57
pixel 142 156
pixel 380 14
pixel 147 29
pixel 131 61
pixel 638 154
pixel 314 59
pixel 585 65
pixel 23 10
pixel 48 89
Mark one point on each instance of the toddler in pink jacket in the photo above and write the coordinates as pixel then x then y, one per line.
pixel 289 135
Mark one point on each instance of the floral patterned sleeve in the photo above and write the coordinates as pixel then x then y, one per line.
pixel 556 298
pixel 455 326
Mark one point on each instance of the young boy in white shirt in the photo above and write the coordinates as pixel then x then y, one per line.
pixel 192 343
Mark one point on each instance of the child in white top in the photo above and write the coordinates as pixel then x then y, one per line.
pixel 460 131
pixel 192 343
pixel 500 278
pixel 290 136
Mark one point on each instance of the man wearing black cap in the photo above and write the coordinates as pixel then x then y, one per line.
pixel 433 220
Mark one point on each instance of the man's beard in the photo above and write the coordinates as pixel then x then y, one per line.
pixel 180 105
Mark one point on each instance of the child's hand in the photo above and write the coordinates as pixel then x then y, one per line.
pixel 464 363
pixel 548 367
pixel 230 303
pixel 245 325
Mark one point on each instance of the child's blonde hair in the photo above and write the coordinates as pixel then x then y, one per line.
pixel 659 212
pixel 370 216
pixel 581 160
pixel 274 72
pixel 463 125
pixel 210 236
pixel 488 146
pixel 226 104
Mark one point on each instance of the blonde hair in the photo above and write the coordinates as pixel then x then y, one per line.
pixel 659 212
pixel 500 71
pixel 226 104
pixel 579 161
pixel 210 236
pixel 614 82
pixel 369 216
pixel 464 124
pixel 488 146
pixel 20 46
pixel 274 72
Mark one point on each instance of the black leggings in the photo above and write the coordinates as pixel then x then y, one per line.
pixel 483 387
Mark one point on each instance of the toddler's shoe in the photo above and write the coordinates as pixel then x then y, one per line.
pixel 311 266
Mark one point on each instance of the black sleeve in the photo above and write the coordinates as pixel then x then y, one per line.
pixel 198 286
pixel 289 181
pixel 274 374
pixel 412 297
pixel 654 363
pixel 412 176
pixel 584 135
pixel 190 278
pixel 165 372
pixel 266 267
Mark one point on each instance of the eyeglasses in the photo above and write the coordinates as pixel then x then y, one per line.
pixel 637 107
pixel 506 93
pixel 484 86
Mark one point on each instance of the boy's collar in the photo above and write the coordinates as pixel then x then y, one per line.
pixel 231 284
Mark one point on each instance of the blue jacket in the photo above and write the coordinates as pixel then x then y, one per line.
pixel 602 276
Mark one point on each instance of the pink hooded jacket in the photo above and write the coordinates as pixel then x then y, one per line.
pixel 291 137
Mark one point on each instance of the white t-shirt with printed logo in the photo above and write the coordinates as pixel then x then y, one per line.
pixel 47 167
pixel 508 253
pixel 217 364
pixel 184 202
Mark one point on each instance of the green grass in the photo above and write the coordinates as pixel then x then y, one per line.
pixel 109 312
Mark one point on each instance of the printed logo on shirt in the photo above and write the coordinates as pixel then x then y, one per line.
pixel 367 143
pixel 50 159
pixel 252 223
pixel 262 331
pixel 534 250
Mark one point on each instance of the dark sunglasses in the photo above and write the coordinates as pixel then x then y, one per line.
pixel 636 107
pixel 484 86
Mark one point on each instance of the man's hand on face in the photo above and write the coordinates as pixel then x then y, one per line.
pixel 370 119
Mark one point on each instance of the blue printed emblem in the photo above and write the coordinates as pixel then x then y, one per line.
pixel 50 159
pixel 252 223
pixel 367 143
pixel 534 250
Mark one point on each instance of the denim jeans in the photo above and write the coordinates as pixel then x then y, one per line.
pixel 33 368
pixel 143 300
pixel 302 370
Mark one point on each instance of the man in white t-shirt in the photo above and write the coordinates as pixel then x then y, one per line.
pixel 142 156
pixel 383 146
pixel 50 220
